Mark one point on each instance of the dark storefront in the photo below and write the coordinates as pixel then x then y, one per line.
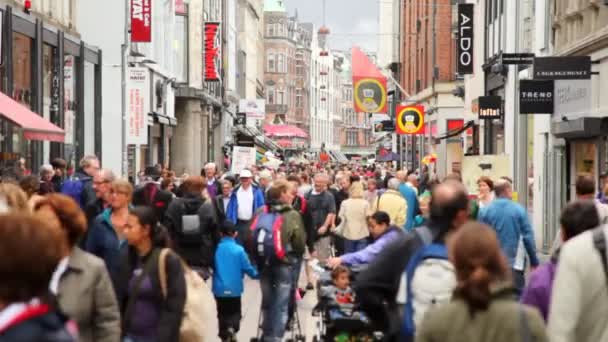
pixel 56 76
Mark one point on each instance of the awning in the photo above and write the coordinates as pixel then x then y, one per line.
pixel 34 126
pixel 163 119
pixel 286 143
pixel 284 131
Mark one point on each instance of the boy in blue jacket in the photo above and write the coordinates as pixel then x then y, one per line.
pixel 231 264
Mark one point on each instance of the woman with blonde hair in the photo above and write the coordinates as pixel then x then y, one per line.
pixel 353 215
pixel 12 198
pixel 106 238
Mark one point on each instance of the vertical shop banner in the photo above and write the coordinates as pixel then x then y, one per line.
pixel 242 158
pixel 465 38
pixel 138 105
pixel 369 84
pixel 69 86
pixel 141 21
pixel 212 57
pixel 410 120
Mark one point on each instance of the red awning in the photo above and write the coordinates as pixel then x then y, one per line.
pixel 284 143
pixel 34 126
pixel 284 131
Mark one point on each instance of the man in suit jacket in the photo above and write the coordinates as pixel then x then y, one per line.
pixel 222 199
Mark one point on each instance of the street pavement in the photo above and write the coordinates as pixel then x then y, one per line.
pixel 251 301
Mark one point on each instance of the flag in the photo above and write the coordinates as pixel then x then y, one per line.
pixel 369 84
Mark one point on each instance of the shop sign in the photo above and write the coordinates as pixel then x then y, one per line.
pixel 562 68
pixel 572 98
pixel 244 140
pixel 536 97
pixel 211 52
pixel 138 105
pixel 242 158
pixel 141 21
pixel 465 38
pixel 517 58
pixel 240 119
pixel 68 99
pixel 180 7
pixel 490 107
pixel 410 120
pixel 253 109
pixel 370 95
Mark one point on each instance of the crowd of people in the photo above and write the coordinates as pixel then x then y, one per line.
pixel 93 257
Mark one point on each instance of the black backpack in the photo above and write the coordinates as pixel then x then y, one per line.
pixel 197 227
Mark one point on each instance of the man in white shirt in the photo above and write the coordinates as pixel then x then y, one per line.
pixel 245 200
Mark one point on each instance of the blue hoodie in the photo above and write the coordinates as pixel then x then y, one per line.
pixel 233 204
pixel 412 205
pixel 510 220
pixel 231 264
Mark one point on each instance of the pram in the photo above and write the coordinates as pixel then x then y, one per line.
pixel 335 324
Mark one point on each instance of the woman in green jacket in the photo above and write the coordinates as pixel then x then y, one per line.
pixel 484 307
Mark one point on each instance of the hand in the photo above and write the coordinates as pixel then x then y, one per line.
pixel 334 262
pixel 322 230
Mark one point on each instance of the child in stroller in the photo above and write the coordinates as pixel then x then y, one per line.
pixel 340 318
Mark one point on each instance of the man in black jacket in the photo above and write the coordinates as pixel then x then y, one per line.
pixel 150 193
pixel 192 224
pixel 378 285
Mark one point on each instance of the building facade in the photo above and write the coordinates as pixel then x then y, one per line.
pixel 428 75
pixel 48 71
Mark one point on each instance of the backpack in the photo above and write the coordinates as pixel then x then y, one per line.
pixel 430 281
pixel 196 308
pixel 268 247
pixel 73 188
pixel 191 232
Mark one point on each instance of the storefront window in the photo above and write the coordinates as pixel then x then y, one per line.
pixel 50 89
pixel 585 158
pixel 181 48
pixel 69 121
pixel 22 69
pixel 89 108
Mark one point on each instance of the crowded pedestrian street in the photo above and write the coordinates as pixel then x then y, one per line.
pixel 303 171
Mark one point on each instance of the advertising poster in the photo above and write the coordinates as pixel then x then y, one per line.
pixel 138 105
pixel 493 166
pixel 242 158
pixel 141 21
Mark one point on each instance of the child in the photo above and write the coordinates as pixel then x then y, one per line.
pixel 231 264
pixel 340 294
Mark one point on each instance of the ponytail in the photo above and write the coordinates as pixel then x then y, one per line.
pixel 475 290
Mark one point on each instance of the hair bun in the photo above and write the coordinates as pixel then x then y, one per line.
pixel 479 276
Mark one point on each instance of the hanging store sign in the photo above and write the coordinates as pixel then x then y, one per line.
pixel 253 109
pixel 490 107
pixel 562 68
pixel 572 98
pixel 212 52
pixel 410 120
pixel 242 158
pixel 138 105
pixel 517 58
pixel 465 38
pixel 243 139
pixel 536 97
pixel 141 21
pixel 370 95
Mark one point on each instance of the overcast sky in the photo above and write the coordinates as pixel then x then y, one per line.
pixel 352 22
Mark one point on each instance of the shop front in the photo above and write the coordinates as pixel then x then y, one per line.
pixel 56 76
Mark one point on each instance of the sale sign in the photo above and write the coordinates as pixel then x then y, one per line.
pixel 141 21
pixel 212 52
pixel 138 105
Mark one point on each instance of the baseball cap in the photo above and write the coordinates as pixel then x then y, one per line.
pixel 245 174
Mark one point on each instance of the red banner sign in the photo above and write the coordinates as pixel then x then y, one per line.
pixel 141 21
pixel 180 7
pixel 410 120
pixel 211 54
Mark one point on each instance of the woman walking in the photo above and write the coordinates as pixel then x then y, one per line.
pixel 353 214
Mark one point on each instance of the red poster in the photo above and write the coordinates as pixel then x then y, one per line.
pixel 141 21
pixel 180 7
pixel 211 52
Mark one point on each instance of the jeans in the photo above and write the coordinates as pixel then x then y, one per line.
pixel 519 281
pixel 352 246
pixel 296 269
pixel 244 235
pixel 275 281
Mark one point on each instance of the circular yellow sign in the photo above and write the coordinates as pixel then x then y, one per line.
pixel 370 95
pixel 410 120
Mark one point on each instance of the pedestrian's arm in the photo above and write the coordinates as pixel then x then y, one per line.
pixel 566 298
pixel 247 267
pixel 172 309
pixel 528 238
pixel 365 255
pixel 92 238
pixel 106 327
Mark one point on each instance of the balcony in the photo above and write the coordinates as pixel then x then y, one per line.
pixel 277 108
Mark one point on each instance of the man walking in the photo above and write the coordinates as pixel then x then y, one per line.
pixel 409 194
pixel 510 220
pixel 322 207
pixel 393 203
pixel 245 200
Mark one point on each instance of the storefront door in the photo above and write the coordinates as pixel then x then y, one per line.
pixel 583 161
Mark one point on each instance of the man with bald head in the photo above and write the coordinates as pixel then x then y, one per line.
pixel 322 206
pixel 510 220
pixel 377 287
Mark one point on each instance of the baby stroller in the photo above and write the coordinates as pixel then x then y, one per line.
pixel 335 324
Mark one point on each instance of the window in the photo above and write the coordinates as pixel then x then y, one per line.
pixel 271 62
pixel 281 97
pixel 181 48
pixel 299 101
pixel 270 29
pixel 281 63
pixel 270 96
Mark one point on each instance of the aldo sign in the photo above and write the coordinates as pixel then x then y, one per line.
pixel 465 39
